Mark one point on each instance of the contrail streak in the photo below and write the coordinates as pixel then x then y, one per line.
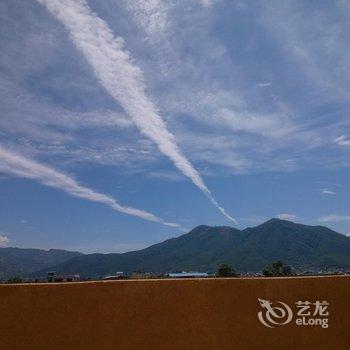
pixel 122 79
pixel 16 164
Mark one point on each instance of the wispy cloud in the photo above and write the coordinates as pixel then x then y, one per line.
pixel 172 224
pixel 190 89
pixel 20 166
pixel 207 3
pixel 342 141
pixel 265 84
pixel 328 192
pixel 4 240
pixel 315 40
pixel 123 80
pixel 290 217
pixel 150 15
pixel 165 175
pixel 334 218
pixel 256 123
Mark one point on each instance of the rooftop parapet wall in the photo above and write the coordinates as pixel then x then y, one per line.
pixel 171 314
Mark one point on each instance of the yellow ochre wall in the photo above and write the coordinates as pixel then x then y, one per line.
pixel 169 314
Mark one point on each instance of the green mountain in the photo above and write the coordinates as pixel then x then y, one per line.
pixel 205 248
pixel 19 262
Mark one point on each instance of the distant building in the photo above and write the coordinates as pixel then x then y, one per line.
pixel 119 275
pixel 71 278
pixel 141 275
pixel 191 274
pixel 53 277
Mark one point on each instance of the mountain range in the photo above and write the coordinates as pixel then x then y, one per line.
pixel 205 248
pixel 20 262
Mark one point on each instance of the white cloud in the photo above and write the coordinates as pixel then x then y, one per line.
pixel 265 84
pixel 342 141
pixel 290 217
pixel 316 41
pixel 328 192
pixel 200 83
pixel 187 87
pixel 334 218
pixel 207 3
pixel 150 15
pixel 172 224
pixel 274 125
pixel 20 166
pixel 165 175
pixel 123 80
pixel 45 128
pixel 4 240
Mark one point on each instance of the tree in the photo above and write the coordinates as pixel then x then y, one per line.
pixel 277 269
pixel 226 270
pixel 15 280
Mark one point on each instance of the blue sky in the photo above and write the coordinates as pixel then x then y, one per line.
pixel 124 123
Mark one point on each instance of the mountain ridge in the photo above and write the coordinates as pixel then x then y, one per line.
pixel 21 261
pixel 205 247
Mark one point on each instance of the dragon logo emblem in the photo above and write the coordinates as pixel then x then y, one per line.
pixel 274 315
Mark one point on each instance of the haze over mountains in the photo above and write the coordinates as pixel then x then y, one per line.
pixel 205 248
pixel 20 262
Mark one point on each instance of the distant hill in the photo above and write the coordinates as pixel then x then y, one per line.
pixel 19 262
pixel 205 248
